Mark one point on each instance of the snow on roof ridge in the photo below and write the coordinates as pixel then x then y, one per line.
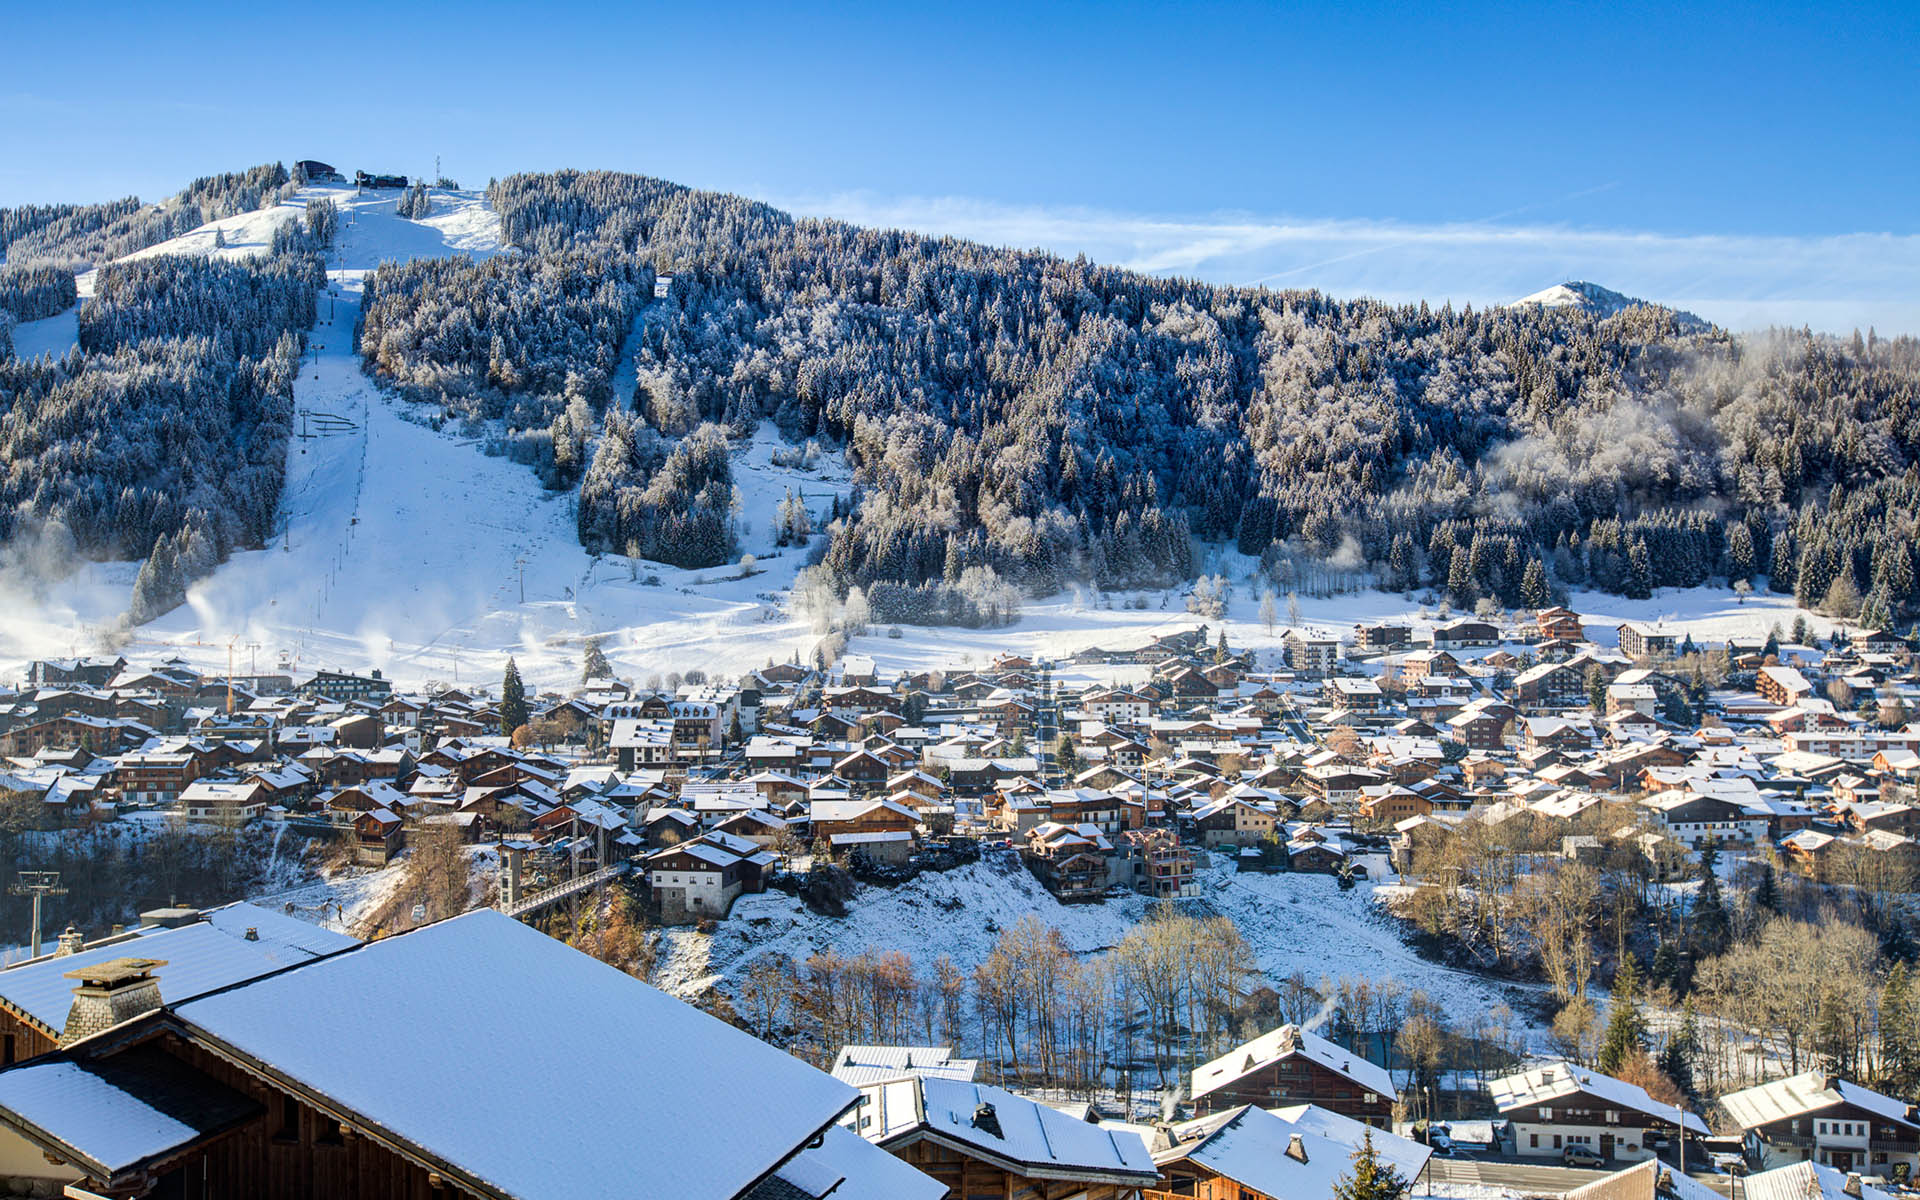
pixel 454 953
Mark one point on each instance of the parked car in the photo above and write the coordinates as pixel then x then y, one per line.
pixel 1577 1155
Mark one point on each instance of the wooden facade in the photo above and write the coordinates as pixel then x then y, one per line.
pixel 292 1151
pixel 1843 1136
pixel 1297 1079
pixel 1189 1181
pixel 971 1178
pixel 256 1136
pixel 22 1037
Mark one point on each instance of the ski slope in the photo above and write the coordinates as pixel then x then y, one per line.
pixel 49 336
pixel 407 549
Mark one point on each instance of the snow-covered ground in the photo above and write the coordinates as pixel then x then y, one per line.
pixel 405 549
pixel 353 900
pixel 53 335
pixel 1302 923
pixel 341 902
pixel 1074 621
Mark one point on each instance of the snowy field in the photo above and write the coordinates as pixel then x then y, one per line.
pixel 409 550
pixel 49 336
pixel 352 900
pixel 341 902
pixel 1301 923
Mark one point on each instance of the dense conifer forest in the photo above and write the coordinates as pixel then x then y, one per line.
pixel 78 236
pixel 1058 421
pixel 37 291
pixel 163 435
pixel 1012 417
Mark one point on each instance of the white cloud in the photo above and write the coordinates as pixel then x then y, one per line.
pixel 1838 282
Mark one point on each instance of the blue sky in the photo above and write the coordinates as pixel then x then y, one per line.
pixel 1760 162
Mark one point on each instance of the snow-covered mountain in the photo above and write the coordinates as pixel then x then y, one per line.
pixel 386 557
pixel 1600 301
pixel 412 544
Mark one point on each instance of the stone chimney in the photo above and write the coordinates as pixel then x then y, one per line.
pixel 109 993
pixel 71 940
pixel 1297 1148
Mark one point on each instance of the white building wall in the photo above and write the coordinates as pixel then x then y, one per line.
pixel 1629 1141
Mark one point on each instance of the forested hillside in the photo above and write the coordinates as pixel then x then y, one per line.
pixel 163 436
pixel 79 236
pixel 1059 421
pixel 530 340
pixel 31 293
pixel 1014 416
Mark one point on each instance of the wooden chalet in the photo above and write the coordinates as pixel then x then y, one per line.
pixel 1249 1153
pixel 220 1096
pixel 981 1141
pixel 378 835
pixel 1560 1104
pixel 1292 1066
pixel 1560 624
pixel 1820 1117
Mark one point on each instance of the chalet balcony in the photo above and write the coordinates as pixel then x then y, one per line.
pixel 1809 1143
pixel 1078 886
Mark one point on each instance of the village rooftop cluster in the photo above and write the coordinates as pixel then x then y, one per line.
pixel 160 1057
pixel 1342 752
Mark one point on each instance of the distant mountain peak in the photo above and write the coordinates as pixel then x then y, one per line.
pixel 1600 301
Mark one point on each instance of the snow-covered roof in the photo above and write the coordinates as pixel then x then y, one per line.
pixel 1649 1180
pixel 870 839
pixel 209 954
pixel 214 791
pixel 1807 1092
pixel 846 1166
pixel 1287 1040
pixel 706 852
pixel 435 1088
pixel 1258 1150
pixel 863 1065
pixel 1549 1082
pixel 1404 1153
pixel 1807 1181
pixel 1011 1131
pixel 110 1127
